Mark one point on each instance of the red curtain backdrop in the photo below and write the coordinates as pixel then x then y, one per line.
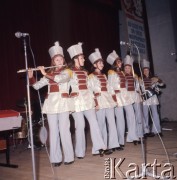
pixel 94 22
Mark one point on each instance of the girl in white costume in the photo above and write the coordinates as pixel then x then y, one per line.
pixel 104 102
pixel 116 80
pixel 152 102
pixel 57 106
pixel 84 105
pixel 133 88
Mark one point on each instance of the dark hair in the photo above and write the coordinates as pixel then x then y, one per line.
pixel 71 64
pixel 114 65
pixel 150 74
pixel 93 68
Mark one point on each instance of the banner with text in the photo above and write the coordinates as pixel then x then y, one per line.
pixel 135 26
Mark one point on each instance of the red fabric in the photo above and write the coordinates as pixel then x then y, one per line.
pixel 32 80
pixel 130 82
pixel 81 76
pixel 147 83
pixel 103 88
pixel 96 102
pixel 54 88
pixel 114 98
pixel 122 79
pixel 74 94
pixel 8 113
pixel 83 81
pixel 82 87
pixel 97 94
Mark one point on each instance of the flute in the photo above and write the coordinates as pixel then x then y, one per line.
pixel 35 69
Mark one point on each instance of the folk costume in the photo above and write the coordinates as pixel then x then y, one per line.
pixel 104 102
pixel 133 88
pixel 84 105
pixel 117 82
pixel 57 106
pixel 151 102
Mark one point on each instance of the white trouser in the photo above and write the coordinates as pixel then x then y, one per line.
pixel 110 139
pixel 59 127
pixel 131 124
pixel 95 133
pixel 139 119
pixel 120 123
pixel 156 128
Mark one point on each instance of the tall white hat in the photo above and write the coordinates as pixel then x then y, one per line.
pixel 112 57
pixel 145 63
pixel 75 50
pixel 56 50
pixel 95 56
pixel 128 60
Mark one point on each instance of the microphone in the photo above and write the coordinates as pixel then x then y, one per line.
pixel 125 43
pixel 19 34
pixel 172 53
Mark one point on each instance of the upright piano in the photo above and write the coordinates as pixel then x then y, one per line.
pixel 9 120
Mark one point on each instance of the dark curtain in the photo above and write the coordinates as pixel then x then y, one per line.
pixel 94 22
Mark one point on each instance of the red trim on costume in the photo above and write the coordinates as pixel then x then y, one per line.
pixel 130 82
pixel 54 88
pixel 147 83
pixel 122 79
pixel 32 80
pixel 114 98
pixel 74 94
pixel 82 81
pixel 103 81
pixel 82 87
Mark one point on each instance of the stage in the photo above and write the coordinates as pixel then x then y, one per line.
pixel 94 167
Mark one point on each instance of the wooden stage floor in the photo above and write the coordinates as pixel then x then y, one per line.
pixel 95 167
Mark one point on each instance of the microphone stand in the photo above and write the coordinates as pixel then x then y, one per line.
pixel 144 169
pixel 29 110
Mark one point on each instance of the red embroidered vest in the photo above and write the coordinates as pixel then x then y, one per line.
pixel 102 80
pixel 130 82
pixel 122 79
pixel 54 87
pixel 147 82
pixel 82 78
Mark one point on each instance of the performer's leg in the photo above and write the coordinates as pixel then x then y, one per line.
pixel 101 117
pixel 65 134
pixel 146 118
pixel 55 148
pixel 139 119
pixel 156 120
pixel 94 131
pixel 120 122
pixel 80 143
pixel 113 138
pixel 131 123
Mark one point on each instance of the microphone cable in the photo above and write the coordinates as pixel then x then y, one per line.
pixel 39 98
pixel 143 86
pixel 141 74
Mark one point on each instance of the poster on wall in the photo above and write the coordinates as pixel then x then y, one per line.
pixel 135 27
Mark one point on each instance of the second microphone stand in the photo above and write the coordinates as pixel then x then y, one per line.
pixel 145 172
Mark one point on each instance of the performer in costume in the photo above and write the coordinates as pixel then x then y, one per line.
pixel 133 89
pixel 104 102
pixel 148 84
pixel 57 106
pixel 83 100
pixel 116 80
